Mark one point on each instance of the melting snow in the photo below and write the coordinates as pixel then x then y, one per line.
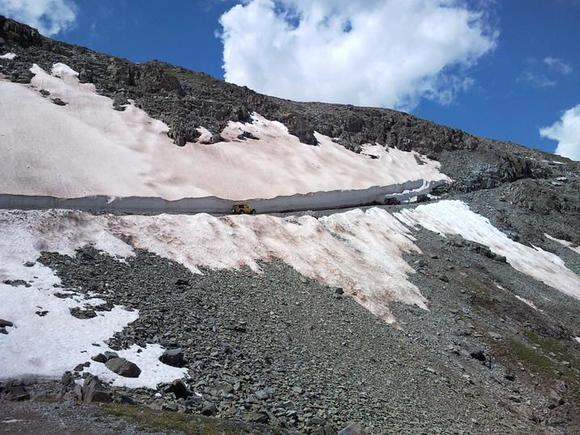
pixel 87 148
pixel 46 340
pixel 528 303
pixel 455 217
pixel 565 243
pixel 358 251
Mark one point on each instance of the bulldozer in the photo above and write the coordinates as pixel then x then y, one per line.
pixel 243 209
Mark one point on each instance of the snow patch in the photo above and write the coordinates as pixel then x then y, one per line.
pixel 59 70
pixel 87 148
pixel 528 303
pixel 46 340
pixel 205 135
pixel 455 217
pixel 9 56
pixel 565 243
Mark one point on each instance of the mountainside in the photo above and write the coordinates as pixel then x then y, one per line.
pixel 460 314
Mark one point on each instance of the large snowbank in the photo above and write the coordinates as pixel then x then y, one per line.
pixel 46 340
pixel 87 148
pixel 455 217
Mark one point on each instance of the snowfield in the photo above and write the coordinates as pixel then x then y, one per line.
pixel 46 340
pixel 87 148
pixel 359 251
pixel 455 217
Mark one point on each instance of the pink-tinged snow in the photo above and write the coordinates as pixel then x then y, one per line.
pixel 565 243
pixel 87 148
pixel 47 346
pixel 455 217
pixel 8 56
pixel 362 252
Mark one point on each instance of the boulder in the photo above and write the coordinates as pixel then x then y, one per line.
pixel 93 391
pixel 178 388
pixel 123 367
pixel 173 357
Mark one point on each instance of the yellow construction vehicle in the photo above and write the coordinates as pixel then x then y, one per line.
pixel 243 209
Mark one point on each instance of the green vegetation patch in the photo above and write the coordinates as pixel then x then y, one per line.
pixel 166 421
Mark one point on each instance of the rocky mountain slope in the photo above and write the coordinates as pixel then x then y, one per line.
pixel 277 323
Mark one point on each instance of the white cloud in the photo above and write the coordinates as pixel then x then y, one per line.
pixel 367 52
pixel 48 16
pixel 558 65
pixel 567 132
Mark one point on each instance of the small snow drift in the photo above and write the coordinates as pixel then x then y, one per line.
pixel 46 339
pixel 565 243
pixel 8 56
pixel 455 217
pixel 85 148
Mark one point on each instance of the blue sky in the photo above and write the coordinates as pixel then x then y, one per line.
pixel 520 73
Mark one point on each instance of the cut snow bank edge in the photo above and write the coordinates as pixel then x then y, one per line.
pixel 96 150
pixel 298 202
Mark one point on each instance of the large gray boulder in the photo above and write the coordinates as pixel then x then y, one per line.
pixel 123 367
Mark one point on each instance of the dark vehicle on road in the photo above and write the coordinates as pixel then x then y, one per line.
pixel 392 201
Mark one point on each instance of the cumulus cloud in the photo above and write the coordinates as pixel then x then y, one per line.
pixel 48 16
pixel 367 52
pixel 567 132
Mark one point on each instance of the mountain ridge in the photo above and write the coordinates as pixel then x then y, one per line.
pixel 186 100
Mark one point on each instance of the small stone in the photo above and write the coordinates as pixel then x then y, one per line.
pixel 263 394
pixel 58 102
pixel 123 367
pixel 478 355
pixel 515 398
pixel 208 409
pixel 29 264
pixel 510 377
pixel 338 291
pixel 100 358
pixel 352 429
pixel 6 323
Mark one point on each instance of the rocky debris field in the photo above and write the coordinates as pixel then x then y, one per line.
pixel 280 351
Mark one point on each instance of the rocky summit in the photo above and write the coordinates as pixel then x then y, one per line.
pixel 450 304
